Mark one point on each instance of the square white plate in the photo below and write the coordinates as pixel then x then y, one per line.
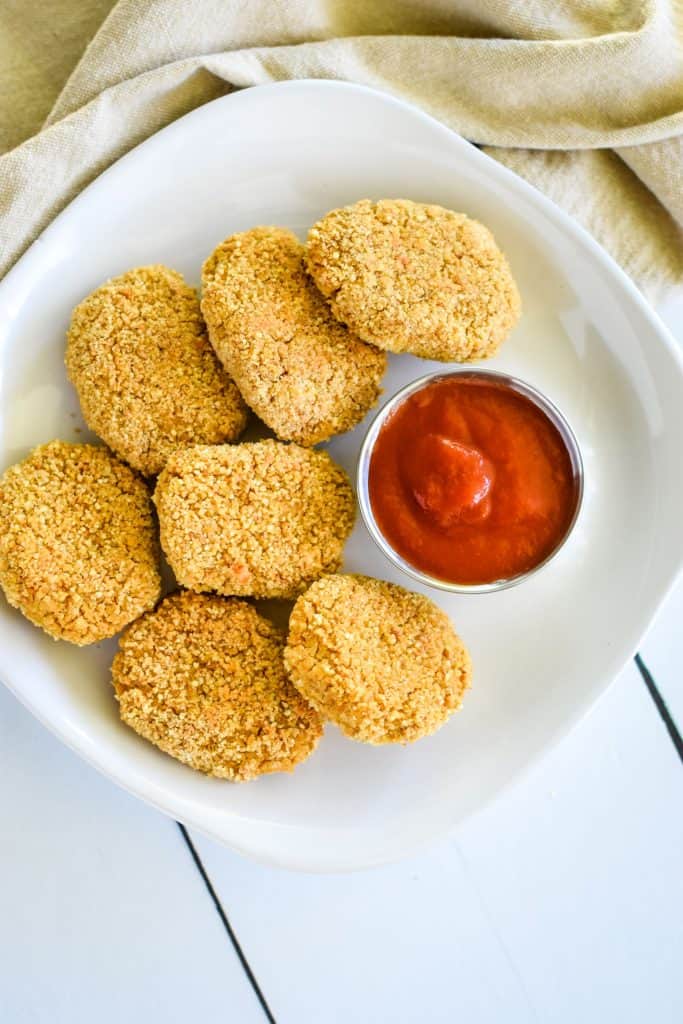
pixel 544 651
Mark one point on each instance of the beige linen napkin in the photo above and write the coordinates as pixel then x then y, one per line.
pixel 584 99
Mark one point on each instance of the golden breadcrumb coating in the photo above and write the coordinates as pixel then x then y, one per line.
pixel 383 663
pixel 78 549
pixel 146 376
pixel 415 278
pixel 299 369
pixel 262 519
pixel 203 679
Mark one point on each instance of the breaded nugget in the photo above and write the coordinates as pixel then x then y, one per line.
pixel 262 519
pixel 146 376
pixel 299 369
pixel 78 550
pixel 414 278
pixel 383 663
pixel 203 679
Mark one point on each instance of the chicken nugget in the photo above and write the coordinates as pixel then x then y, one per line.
pixel 78 549
pixel 382 663
pixel 202 678
pixel 147 378
pixel 414 278
pixel 301 371
pixel 262 519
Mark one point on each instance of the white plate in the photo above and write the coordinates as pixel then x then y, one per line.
pixel 544 651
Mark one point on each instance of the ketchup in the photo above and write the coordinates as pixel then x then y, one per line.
pixel 471 482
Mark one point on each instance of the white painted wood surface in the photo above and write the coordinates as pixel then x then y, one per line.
pixel 562 902
pixel 103 916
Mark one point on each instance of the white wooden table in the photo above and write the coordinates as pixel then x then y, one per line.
pixel 562 902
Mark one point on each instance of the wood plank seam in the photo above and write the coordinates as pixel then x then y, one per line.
pixel 660 704
pixel 226 924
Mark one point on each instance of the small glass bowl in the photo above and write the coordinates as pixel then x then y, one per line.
pixel 363 472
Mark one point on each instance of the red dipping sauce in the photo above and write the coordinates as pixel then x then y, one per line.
pixel 471 482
